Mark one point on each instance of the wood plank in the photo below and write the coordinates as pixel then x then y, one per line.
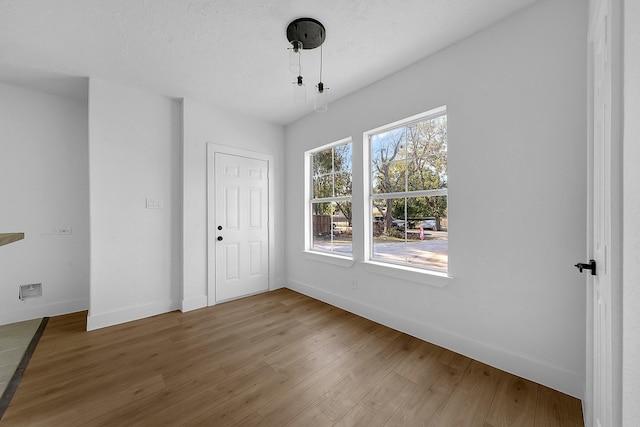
pixel 345 395
pixel 514 403
pixel 296 400
pixel 555 409
pixel 380 403
pixel 418 364
pixel 430 396
pixel 312 416
pixel 471 399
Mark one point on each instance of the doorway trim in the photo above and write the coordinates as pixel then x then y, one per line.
pixel 614 10
pixel 212 149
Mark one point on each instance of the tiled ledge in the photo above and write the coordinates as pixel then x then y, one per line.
pixel 6 238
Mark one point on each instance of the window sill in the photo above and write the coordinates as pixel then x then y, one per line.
pixel 427 277
pixel 328 258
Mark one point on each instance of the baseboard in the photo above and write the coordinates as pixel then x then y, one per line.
pixel 194 303
pixel 516 364
pixel 103 320
pixel 32 311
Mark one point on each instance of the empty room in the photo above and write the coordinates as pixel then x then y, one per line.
pixel 411 213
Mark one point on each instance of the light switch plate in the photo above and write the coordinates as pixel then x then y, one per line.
pixel 154 204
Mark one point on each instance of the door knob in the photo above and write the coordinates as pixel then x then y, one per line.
pixel 591 266
pixel 219 238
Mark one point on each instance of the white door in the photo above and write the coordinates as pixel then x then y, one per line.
pixel 600 363
pixel 241 226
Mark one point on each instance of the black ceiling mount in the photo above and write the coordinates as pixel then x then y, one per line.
pixel 307 31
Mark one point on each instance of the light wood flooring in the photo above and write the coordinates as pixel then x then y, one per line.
pixel 273 359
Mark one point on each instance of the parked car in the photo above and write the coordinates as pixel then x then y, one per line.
pixel 395 223
pixel 429 224
pixel 398 223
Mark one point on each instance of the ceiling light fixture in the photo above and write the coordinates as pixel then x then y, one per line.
pixel 306 34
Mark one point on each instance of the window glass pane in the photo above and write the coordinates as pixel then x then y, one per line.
pixel 342 158
pixel 427 237
pixel 427 173
pixel 389 146
pixel 388 231
pixel 389 177
pixel 332 227
pixel 420 240
pixel 342 184
pixel 322 162
pixel 322 186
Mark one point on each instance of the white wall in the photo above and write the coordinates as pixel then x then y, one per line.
pixel 43 186
pixel 134 154
pixel 631 217
pixel 204 124
pixel 516 101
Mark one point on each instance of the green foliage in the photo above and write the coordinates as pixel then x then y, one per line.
pixel 332 177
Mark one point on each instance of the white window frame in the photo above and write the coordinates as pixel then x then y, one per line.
pixel 438 277
pixel 311 253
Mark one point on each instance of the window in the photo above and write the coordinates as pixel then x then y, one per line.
pixel 408 192
pixel 330 198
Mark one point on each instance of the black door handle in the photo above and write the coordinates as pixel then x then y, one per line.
pixel 591 266
pixel 219 238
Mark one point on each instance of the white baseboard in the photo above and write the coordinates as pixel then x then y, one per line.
pixel 194 303
pixel 33 311
pixel 516 364
pixel 103 320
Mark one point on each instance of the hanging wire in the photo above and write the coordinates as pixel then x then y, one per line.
pixel 299 61
pixel 320 63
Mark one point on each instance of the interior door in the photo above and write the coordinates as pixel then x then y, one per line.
pixel 241 226
pixel 600 363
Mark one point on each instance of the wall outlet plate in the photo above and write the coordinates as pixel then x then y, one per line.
pixel 32 290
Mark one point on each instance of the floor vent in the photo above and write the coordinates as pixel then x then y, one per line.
pixel 33 290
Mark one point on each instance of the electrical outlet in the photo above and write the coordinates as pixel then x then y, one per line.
pixel 64 230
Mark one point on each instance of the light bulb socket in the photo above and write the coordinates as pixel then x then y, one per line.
pixel 294 57
pixel 321 100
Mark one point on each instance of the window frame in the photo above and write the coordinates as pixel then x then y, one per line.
pixel 405 270
pixel 335 258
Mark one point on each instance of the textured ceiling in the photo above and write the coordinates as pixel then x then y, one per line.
pixel 231 53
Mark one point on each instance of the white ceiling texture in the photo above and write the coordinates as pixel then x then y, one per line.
pixel 230 53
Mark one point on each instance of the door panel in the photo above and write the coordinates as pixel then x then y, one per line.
pixel 241 222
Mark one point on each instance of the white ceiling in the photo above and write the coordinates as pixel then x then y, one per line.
pixel 231 53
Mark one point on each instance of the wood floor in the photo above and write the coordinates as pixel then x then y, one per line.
pixel 279 358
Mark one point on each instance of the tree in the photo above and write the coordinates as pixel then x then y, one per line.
pixel 332 177
pixel 411 158
pixel 427 143
pixel 387 150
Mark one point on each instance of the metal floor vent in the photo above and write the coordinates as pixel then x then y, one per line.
pixel 33 290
